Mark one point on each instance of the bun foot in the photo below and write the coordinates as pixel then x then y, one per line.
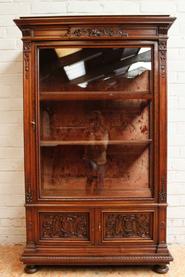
pixel 30 269
pixel 161 269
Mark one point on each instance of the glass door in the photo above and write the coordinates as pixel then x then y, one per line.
pixel 95 122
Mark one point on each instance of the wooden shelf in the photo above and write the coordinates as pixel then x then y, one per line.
pixel 92 95
pixel 94 142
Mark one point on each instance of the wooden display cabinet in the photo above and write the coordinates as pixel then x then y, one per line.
pixel 95 140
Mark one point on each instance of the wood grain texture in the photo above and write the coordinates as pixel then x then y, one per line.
pixel 126 183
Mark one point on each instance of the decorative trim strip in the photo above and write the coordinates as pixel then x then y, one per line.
pixel 97 259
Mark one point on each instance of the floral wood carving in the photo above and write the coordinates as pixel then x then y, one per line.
pixel 122 225
pixel 96 32
pixel 26 51
pixel 65 225
pixel 162 57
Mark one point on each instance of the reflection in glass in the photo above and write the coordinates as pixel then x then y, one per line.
pixel 95 142
pixel 76 69
pixel 96 153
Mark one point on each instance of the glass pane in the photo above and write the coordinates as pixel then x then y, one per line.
pixel 107 69
pixel 96 146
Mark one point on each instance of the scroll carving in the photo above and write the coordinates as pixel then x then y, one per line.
pixel 122 225
pixel 26 51
pixel 96 32
pixel 162 57
pixel 65 225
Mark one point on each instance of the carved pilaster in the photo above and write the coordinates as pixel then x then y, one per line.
pixel 26 55
pixel 28 192
pixel 162 193
pixel 162 57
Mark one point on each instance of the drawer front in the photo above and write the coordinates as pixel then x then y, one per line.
pixel 66 226
pixel 122 226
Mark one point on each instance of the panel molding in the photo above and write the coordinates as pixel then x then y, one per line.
pixel 122 225
pixel 64 225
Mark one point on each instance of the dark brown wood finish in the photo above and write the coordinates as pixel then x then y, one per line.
pixel 78 213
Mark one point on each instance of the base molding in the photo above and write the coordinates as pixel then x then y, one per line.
pixel 98 260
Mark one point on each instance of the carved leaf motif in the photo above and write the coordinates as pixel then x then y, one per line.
pixel 96 32
pixel 121 225
pixel 26 51
pixel 162 57
pixel 65 225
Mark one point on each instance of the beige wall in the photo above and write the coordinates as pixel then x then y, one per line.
pixel 12 227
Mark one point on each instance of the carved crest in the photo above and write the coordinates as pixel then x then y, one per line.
pixel 96 32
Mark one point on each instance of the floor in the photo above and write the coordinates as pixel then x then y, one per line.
pixel 10 266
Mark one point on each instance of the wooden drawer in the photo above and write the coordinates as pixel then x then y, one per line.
pixel 65 226
pixel 127 225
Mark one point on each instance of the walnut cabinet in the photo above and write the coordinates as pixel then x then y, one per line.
pixel 95 117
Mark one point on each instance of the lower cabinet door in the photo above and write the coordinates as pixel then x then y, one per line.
pixel 127 226
pixel 73 226
pixel 62 226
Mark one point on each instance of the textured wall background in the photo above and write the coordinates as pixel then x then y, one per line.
pixel 12 227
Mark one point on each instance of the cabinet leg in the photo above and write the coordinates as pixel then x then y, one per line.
pixel 30 269
pixel 161 269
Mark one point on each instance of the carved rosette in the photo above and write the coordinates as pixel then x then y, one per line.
pixel 26 55
pixel 162 57
pixel 122 225
pixel 96 32
pixel 65 225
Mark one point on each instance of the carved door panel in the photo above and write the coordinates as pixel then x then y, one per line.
pixel 126 226
pixel 66 226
